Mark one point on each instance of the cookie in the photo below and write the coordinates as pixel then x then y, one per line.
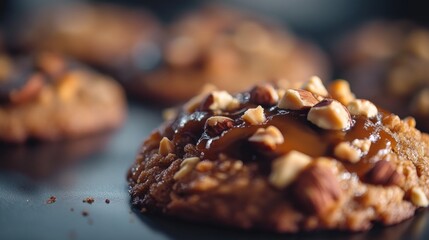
pixel 284 160
pixel 49 98
pixel 115 39
pixel 230 49
pixel 392 58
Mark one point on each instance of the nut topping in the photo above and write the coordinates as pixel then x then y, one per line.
pixel 329 114
pixel 220 100
pixel 315 85
pixel 362 107
pixel 316 190
pixel 216 125
pixel 297 99
pixel 383 173
pixel 340 91
pixel 268 137
pixel 194 102
pixel 286 168
pixel 264 95
pixel 186 167
pixel 353 151
pixel 165 146
pixel 418 197
pixel 254 116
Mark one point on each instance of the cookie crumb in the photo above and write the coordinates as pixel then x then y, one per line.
pixel 71 209
pixel 52 199
pixel 107 201
pixel 88 200
pixel 85 213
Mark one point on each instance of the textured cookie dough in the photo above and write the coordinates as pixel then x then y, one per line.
pixel 48 98
pixel 230 49
pixel 388 63
pixel 284 160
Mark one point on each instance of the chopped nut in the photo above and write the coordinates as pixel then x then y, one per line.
pixel 254 116
pixel 297 99
pixel 281 93
pixel 264 94
pixel 315 85
pixel 186 167
pixel 420 103
pixel 216 125
pixel 165 146
pixel 286 168
pixel 204 166
pixel 362 107
pixel 220 100
pixel 204 183
pixel 268 137
pixel 410 121
pixel 352 151
pixel 69 85
pixel 194 102
pixel 316 190
pixel 329 114
pixel 418 197
pixel 383 173
pixel 340 91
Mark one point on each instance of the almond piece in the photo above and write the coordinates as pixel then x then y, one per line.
pixel 418 197
pixel 329 114
pixel 286 168
pixel 316 189
pixel 194 102
pixel 219 101
pixel 340 91
pixel 216 125
pixel 353 151
pixel 383 173
pixel 254 116
pixel 315 85
pixel 297 99
pixel 264 95
pixel 165 146
pixel 186 167
pixel 268 137
pixel 362 107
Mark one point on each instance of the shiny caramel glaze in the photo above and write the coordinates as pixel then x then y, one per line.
pixel 299 134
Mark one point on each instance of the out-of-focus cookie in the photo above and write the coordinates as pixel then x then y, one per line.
pixel 388 62
pixel 49 98
pixel 115 39
pixel 230 49
pixel 284 160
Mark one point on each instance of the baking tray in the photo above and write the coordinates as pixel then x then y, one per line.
pixel 96 167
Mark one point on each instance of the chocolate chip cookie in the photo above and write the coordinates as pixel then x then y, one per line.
pixel 47 97
pixel 230 49
pixel 388 63
pixel 284 160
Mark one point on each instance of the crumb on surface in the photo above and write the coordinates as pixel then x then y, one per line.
pixel 88 200
pixel 51 199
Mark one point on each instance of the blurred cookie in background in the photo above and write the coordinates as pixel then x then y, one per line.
pixel 47 97
pixel 388 63
pixel 230 49
pixel 115 39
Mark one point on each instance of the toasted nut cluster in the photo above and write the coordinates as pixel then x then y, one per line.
pixel 329 114
pixel 69 85
pixel 194 102
pixel 165 146
pixel 286 168
pixel 186 167
pixel 297 99
pixel 340 91
pixel 315 85
pixel 316 190
pixel 268 137
pixel 383 173
pixel 353 151
pixel 254 116
pixel 418 197
pixel 220 100
pixel 216 125
pixel 264 95
pixel 362 107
